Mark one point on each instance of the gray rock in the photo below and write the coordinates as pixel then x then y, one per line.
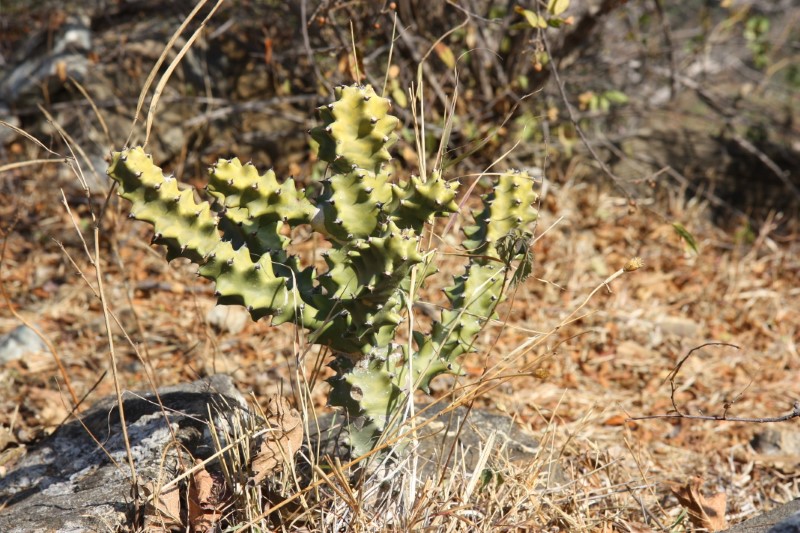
pixel 774 441
pixel 784 519
pixel 18 343
pixel 789 525
pixel 40 64
pixel 67 483
pixel 469 432
pixel 228 318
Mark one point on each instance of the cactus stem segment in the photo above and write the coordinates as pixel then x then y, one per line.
pixel 239 236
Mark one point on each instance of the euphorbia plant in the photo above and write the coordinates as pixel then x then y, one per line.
pixel 374 226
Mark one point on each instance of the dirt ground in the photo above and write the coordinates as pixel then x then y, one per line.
pixel 591 392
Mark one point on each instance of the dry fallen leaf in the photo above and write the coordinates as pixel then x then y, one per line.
pixel 280 442
pixel 162 512
pixel 206 501
pixel 707 513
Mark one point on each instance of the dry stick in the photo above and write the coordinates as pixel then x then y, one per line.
pixel 70 142
pixel 402 436
pixel 495 378
pixel 430 76
pixel 129 296
pixel 355 55
pixel 149 122
pixel 711 101
pixel 29 137
pixel 113 357
pixel 677 176
pixel 795 413
pixel 673 66
pixel 61 369
pixel 237 108
pixel 314 485
pixel 674 374
pixel 442 466
pixel 173 99
pixel 100 445
pixel 95 261
pixel 307 45
pixel 389 59
pixel 149 372
pixel 29 162
pixel 100 118
pixel 574 120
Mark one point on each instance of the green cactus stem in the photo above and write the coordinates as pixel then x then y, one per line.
pixel 235 231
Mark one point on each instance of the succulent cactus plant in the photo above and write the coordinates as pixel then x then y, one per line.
pixel 374 225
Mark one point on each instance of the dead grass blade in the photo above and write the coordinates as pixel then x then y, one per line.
pixel 151 112
pixel 61 369
pixel 150 77
pixel 29 137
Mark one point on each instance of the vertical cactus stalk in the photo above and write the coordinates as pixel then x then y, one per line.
pixel 237 238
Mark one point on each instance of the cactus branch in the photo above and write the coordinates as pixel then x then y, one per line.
pixel 236 232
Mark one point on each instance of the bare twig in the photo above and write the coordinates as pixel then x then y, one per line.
pixel 795 412
pixel 665 29
pixel 151 77
pixel 29 137
pixel 729 115
pixel 618 182
pixel 151 112
pixel 28 163
pixel 674 374
pixel 96 110
pixel 307 44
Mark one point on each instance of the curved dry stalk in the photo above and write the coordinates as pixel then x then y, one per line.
pixel 150 77
pixel 173 65
pixel 51 348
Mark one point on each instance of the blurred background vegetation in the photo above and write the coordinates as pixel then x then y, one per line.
pixel 699 96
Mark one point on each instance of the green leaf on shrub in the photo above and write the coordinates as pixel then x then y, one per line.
pixel 616 97
pixel 516 246
pixel 488 476
pixel 556 7
pixel 686 236
pixel 533 19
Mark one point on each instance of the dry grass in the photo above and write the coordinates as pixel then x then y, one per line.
pixel 575 391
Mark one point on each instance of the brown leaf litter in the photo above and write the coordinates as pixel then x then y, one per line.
pixel 282 440
pixel 704 512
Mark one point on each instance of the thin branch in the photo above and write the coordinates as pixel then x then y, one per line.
pixel 618 183
pixel 674 374
pixel 795 413
pixel 152 76
pixel 673 65
pixel 151 112
pixel 307 45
